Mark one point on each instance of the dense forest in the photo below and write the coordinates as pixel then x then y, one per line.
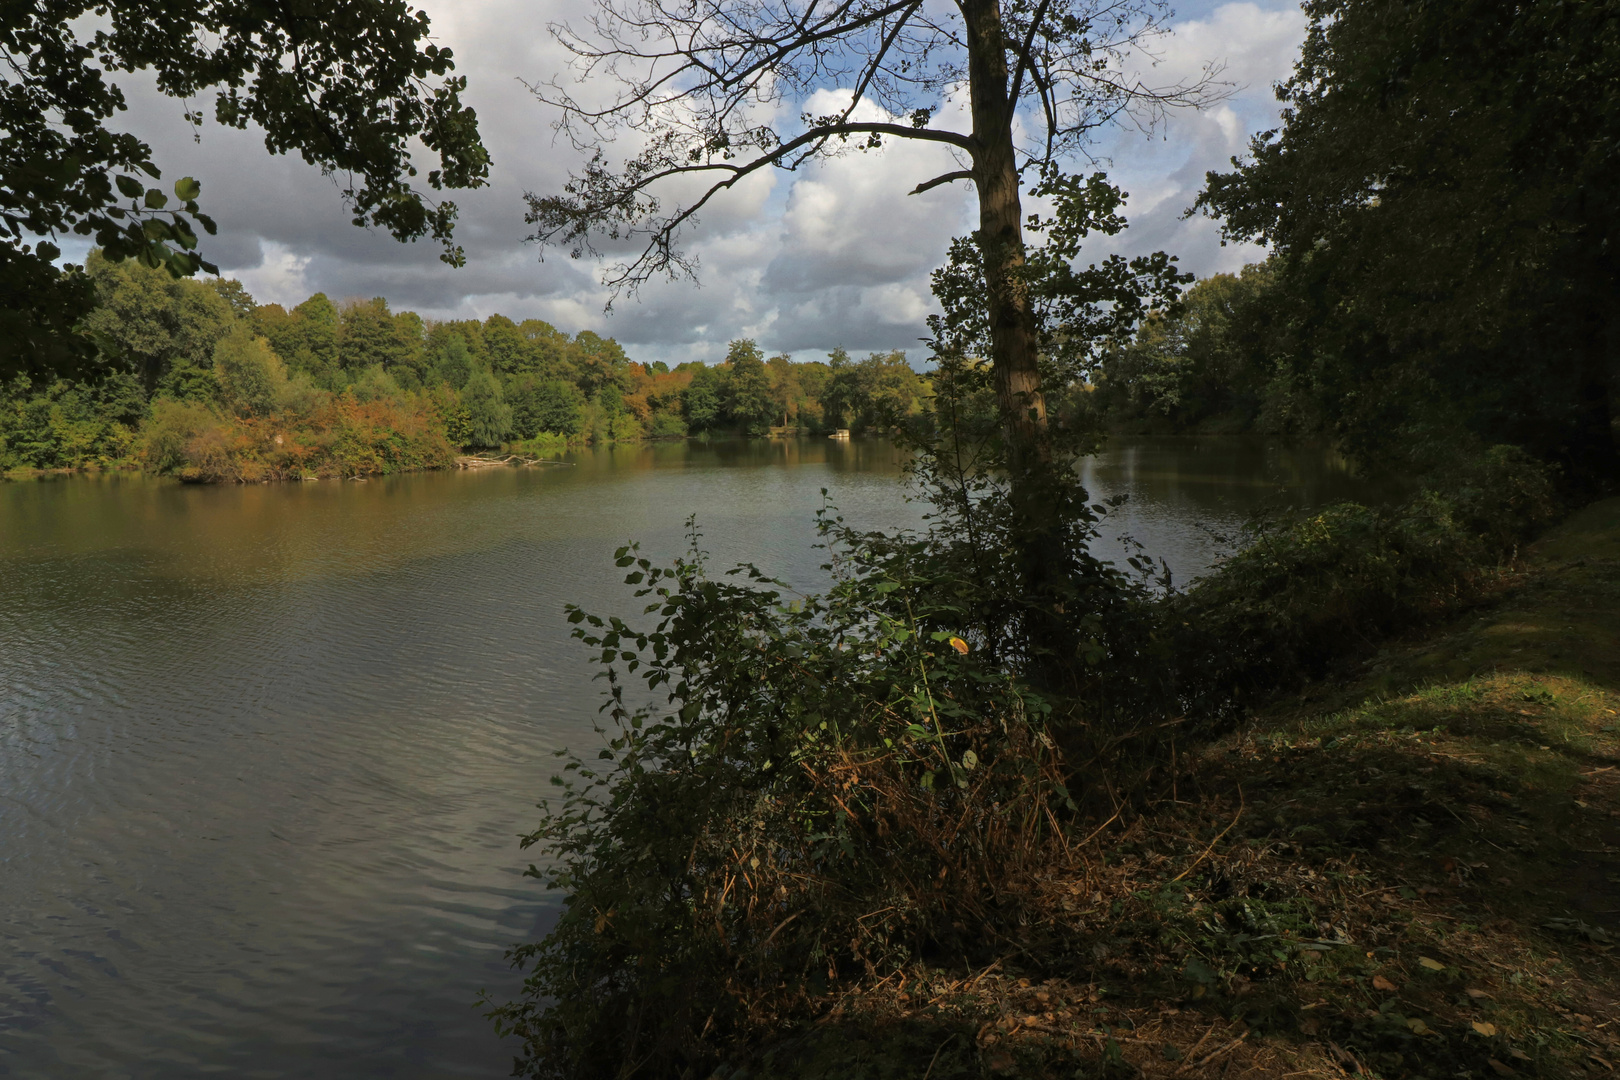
pixel 197 379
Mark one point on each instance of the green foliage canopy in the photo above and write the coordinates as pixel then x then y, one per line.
pixel 1444 196
pixel 251 376
pixel 348 86
pixel 153 325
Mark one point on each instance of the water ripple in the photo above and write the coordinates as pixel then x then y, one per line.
pixel 265 751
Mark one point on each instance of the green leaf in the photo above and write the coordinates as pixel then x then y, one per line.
pixel 183 264
pixel 155 199
pixel 130 186
pixel 186 189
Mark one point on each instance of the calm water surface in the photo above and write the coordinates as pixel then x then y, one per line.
pixel 264 751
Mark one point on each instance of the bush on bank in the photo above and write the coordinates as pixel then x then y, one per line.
pixel 1307 592
pixel 65 425
pixel 808 789
pixel 800 793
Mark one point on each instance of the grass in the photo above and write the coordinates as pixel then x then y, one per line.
pixel 1410 872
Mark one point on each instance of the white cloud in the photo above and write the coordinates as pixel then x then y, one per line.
pixel 835 254
pixel 1254 47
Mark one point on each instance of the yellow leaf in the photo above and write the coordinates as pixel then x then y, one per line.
pixel 1432 965
pixel 1418 1027
pixel 1485 1027
pixel 959 645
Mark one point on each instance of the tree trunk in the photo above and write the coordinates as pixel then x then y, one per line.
pixel 1036 528
pixel 1001 239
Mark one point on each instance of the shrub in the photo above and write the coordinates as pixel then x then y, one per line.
pixel 67 425
pixel 340 436
pixel 1306 591
pixel 383 436
pixel 800 791
pixel 667 425
pixel 819 789
pixel 166 446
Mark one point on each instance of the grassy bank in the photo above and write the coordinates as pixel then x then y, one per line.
pixel 1409 871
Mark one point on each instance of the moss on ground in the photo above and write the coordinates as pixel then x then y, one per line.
pixel 1414 872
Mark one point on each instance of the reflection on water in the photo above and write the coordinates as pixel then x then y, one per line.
pixel 1185 495
pixel 264 751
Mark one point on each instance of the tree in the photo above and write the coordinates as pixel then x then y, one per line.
pixel 306 338
pixel 785 389
pixel 505 346
pixel 1443 197
pixel 251 376
pixel 153 325
pixel 1215 355
pixel 410 363
pixel 369 335
pixel 1074 313
pixel 749 401
pixel 708 89
pixel 703 398
pixel 597 361
pixel 235 294
pixel 489 416
pixel 348 86
pixel 841 390
pixel 548 348
pixel 454 365
pixel 546 405
pixel 890 390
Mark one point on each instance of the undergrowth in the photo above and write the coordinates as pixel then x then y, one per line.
pixel 802 799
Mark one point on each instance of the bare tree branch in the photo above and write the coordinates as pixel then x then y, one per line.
pixel 715 88
pixel 927 185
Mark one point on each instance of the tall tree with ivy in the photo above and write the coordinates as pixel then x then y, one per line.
pixel 349 87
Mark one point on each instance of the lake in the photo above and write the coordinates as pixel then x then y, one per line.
pixel 265 751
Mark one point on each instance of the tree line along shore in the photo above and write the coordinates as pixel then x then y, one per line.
pixel 198 380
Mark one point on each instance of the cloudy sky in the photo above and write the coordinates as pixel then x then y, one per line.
pixel 833 255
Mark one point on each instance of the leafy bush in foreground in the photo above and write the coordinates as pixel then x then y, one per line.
pixel 830 786
pixel 816 790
